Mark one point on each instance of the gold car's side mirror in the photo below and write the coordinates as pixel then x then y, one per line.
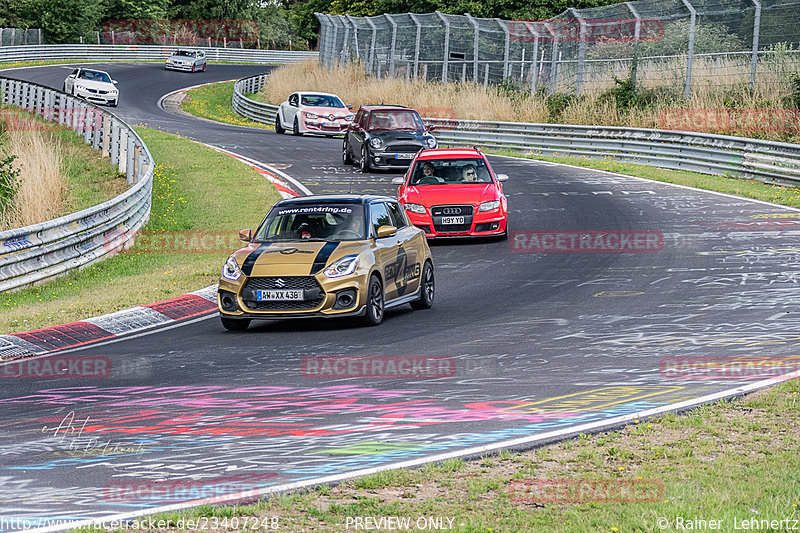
pixel 386 231
pixel 246 235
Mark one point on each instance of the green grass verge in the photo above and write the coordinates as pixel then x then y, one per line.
pixel 733 460
pixel 748 188
pixel 213 102
pixel 196 189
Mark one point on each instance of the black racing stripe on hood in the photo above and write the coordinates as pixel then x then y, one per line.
pixel 250 260
pixel 322 257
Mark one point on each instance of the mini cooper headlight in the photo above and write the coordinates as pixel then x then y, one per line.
pixel 231 270
pixel 489 206
pixel 343 267
pixel 431 142
pixel 310 115
pixel 416 208
pixel 375 142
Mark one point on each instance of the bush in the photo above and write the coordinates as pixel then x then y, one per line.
pixel 624 95
pixel 794 97
pixel 557 103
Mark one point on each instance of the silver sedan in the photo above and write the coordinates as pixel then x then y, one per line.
pixel 186 60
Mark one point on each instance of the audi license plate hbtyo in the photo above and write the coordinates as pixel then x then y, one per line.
pixel 452 220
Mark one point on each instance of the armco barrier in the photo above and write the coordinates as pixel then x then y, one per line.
pixel 768 161
pixel 722 155
pixel 110 52
pixel 35 253
pixel 257 111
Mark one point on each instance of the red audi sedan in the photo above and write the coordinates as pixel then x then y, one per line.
pixel 453 192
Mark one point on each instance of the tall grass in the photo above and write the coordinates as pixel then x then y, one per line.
pixel 42 193
pixel 463 100
pixel 715 88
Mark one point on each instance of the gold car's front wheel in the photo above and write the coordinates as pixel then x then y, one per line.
pixel 374 314
pixel 427 290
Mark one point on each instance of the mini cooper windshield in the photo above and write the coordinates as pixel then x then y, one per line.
pixel 395 120
pixel 450 171
pixel 326 222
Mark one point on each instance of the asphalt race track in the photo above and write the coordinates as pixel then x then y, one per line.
pixel 530 342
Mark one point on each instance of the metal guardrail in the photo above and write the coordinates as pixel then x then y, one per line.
pixel 41 251
pixel 741 157
pixel 110 52
pixel 722 155
pixel 256 111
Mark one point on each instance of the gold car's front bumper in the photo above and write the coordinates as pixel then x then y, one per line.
pixel 237 299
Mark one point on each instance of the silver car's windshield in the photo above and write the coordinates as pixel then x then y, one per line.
pixel 184 53
pixel 326 222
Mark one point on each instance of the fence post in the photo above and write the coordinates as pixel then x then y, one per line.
pixel 506 51
pixel 372 43
pixel 106 136
pixel 446 46
pixel 394 44
pixel 129 167
pixel 115 143
pixel 343 56
pixel 553 59
pixel 475 46
pixel 756 30
pixel 535 73
pixel 40 36
pixel 637 33
pixel 88 124
pixel 333 40
pixel 355 34
pixel 690 52
pixel 581 50
pixel 416 46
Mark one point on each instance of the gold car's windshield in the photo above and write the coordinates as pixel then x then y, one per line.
pixel 320 222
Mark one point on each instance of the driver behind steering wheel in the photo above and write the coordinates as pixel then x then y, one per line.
pixel 429 176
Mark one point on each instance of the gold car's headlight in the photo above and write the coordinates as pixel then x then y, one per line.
pixel 231 270
pixel 343 267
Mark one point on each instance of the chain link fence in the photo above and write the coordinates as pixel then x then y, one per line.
pixel 20 37
pixel 688 44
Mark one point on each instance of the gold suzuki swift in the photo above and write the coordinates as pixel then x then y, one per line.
pixel 327 256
